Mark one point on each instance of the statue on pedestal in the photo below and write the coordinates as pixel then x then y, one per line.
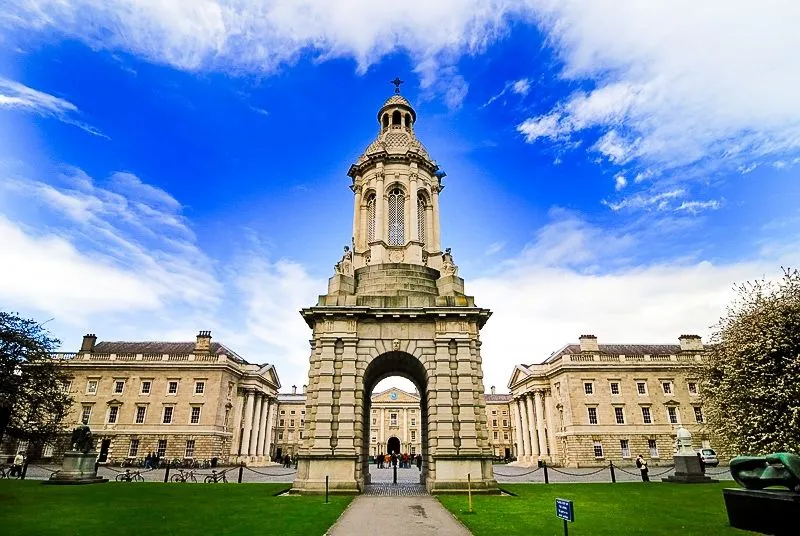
pixel 81 439
pixel 79 464
pixel 448 266
pixel 345 266
pixel 687 462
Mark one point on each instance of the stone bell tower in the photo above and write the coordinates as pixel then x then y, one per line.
pixel 395 306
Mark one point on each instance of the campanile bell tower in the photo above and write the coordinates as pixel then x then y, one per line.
pixel 395 306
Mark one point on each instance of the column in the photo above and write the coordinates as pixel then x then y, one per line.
pixel 357 215
pixel 248 422
pixel 523 431
pixel 382 437
pixel 435 245
pixel 262 427
pixel 414 209
pixel 258 403
pixel 380 200
pixel 551 425
pixel 518 438
pixel 270 429
pixel 540 417
pixel 532 425
pixel 405 430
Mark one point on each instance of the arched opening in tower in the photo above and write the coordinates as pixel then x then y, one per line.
pixel 397 118
pixel 395 419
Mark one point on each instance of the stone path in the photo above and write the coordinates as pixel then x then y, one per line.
pixel 392 516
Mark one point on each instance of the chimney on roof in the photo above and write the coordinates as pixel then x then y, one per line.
pixel 294 389
pixel 589 343
pixel 690 343
pixel 203 344
pixel 492 389
pixel 88 343
pixel 305 389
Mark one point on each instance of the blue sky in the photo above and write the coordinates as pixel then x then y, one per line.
pixel 612 167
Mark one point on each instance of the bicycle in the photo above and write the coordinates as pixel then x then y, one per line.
pixel 215 477
pixel 129 476
pixel 183 476
pixel 6 472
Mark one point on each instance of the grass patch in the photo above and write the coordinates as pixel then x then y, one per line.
pixel 600 509
pixel 30 508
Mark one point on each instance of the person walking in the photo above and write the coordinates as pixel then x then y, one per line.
pixel 16 468
pixel 641 463
pixel 419 462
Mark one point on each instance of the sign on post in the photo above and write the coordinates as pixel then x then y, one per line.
pixel 565 511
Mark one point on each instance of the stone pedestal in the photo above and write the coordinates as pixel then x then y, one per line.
pixel 77 468
pixel 688 471
pixel 766 511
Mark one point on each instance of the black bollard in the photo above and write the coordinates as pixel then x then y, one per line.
pixel 241 469
pixel 326 489
pixel 546 476
pixel 24 470
pixel 613 475
pixel 394 478
pixel 166 473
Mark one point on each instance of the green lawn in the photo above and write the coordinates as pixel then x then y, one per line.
pixel 623 508
pixel 30 508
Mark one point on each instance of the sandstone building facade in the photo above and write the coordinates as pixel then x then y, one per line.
pixel 590 403
pixel 180 400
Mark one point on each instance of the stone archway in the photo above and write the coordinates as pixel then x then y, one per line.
pixel 405 365
pixel 393 445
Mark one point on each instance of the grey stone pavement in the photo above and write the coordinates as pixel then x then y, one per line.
pixel 503 473
pixel 378 516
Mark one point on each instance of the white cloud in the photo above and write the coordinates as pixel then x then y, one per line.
pixel 14 95
pixel 659 201
pixel 680 82
pixel 620 182
pixel 495 247
pixel 521 87
pixel 695 207
pixel 541 301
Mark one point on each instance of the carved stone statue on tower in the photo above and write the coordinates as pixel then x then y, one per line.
pixel 448 266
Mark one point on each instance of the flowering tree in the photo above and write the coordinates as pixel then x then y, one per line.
pixel 751 379
pixel 32 398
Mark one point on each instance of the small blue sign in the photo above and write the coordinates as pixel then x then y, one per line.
pixel 564 510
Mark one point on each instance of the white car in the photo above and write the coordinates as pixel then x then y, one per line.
pixel 709 457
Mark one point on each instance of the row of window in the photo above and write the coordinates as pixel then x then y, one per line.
pixel 667 386
pixel 505 423
pixel 494 412
pixel 145 387
pixel 161 448
pixel 496 435
pixel 282 423
pixel 393 420
pixel 167 414
pixel 625 448
pixel 413 436
pixel 673 415
pixel 396 213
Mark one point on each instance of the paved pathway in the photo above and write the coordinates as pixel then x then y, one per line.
pixel 389 516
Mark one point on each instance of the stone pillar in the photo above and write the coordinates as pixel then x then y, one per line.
pixel 414 209
pixel 248 422
pixel 380 201
pixel 523 431
pixel 258 403
pixel 435 242
pixel 551 426
pixel 518 439
pixel 262 428
pixel 356 215
pixel 382 437
pixel 529 398
pixel 270 429
pixel 540 417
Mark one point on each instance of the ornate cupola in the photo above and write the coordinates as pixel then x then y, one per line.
pixel 396 186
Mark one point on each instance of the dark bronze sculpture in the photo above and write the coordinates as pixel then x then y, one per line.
pixel 81 439
pixel 759 472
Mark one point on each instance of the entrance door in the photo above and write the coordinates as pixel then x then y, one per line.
pixel 104 446
pixel 279 455
pixel 393 445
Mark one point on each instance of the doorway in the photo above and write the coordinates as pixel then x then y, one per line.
pixel 393 445
pixel 105 445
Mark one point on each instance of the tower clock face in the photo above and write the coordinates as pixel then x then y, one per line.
pixel 393 396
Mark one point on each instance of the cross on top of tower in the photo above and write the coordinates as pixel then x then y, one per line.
pixel 396 83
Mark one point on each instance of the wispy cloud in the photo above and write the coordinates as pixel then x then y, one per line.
pixel 14 95
pixel 695 207
pixel 620 182
pixel 495 247
pixel 658 201
pixel 519 87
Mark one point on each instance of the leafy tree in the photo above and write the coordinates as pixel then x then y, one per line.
pixel 32 401
pixel 751 379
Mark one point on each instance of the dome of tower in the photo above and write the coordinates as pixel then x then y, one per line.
pixel 396 99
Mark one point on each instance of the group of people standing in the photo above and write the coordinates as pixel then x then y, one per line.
pixel 404 461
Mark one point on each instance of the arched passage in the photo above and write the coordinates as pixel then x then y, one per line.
pixel 393 445
pixel 385 365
